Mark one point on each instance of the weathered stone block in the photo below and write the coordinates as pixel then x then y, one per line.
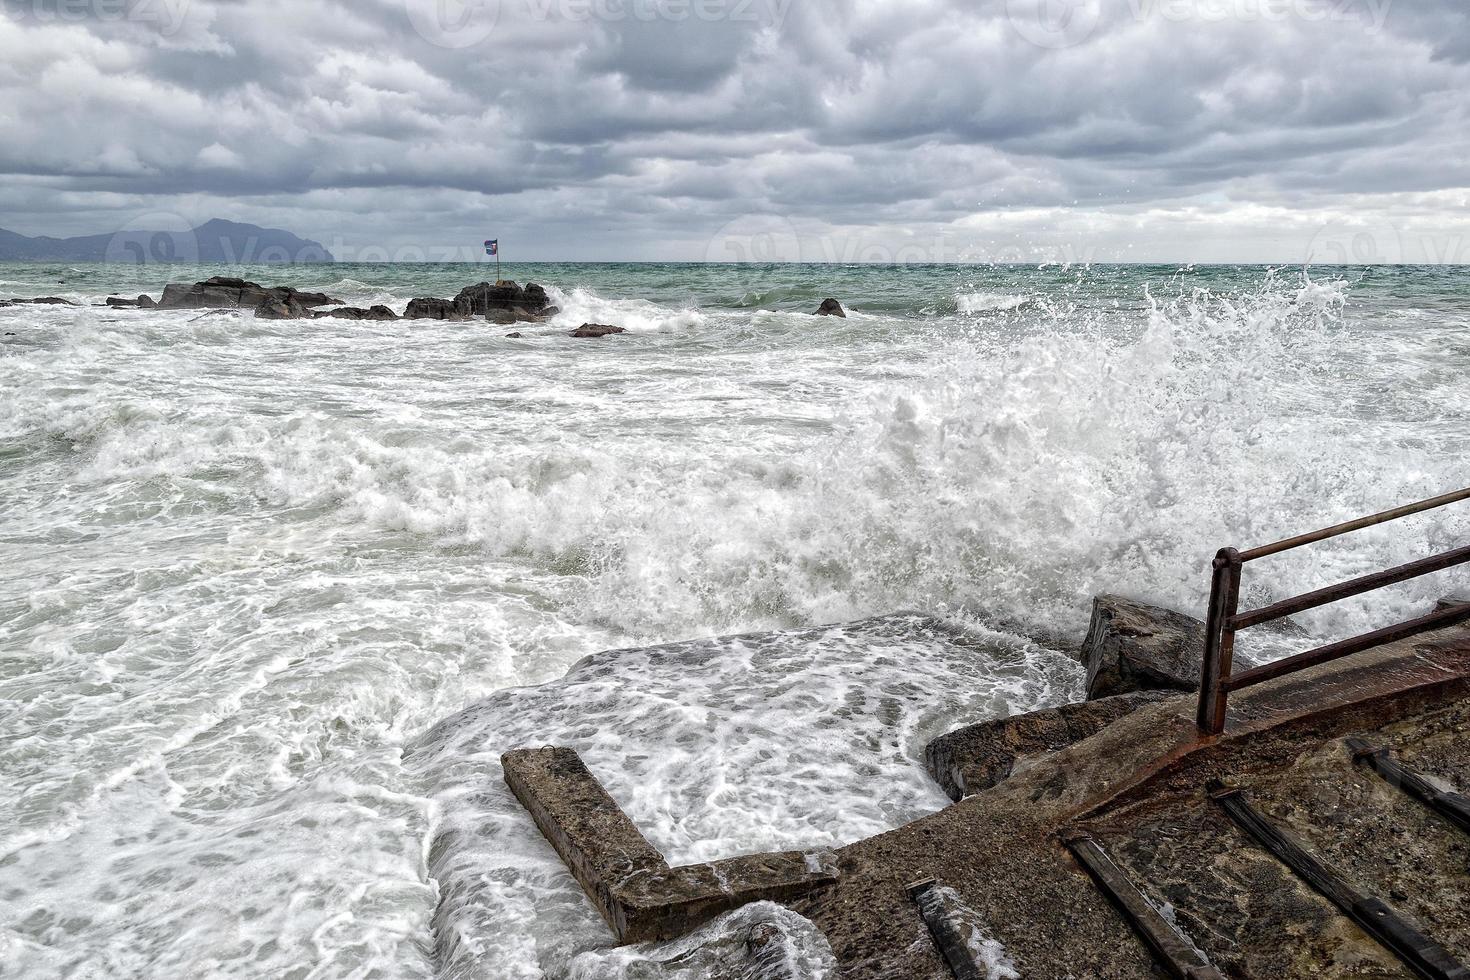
pixel 639 896
pixel 975 758
pixel 1132 646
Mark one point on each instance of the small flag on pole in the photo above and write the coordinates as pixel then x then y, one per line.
pixel 492 247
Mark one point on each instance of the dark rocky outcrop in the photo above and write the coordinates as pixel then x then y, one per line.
pixel 433 309
pixel 830 307
pixel 596 330
pixel 358 313
pixel 122 303
pixel 1132 646
pixel 505 296
pixel 225 293
pixel 977 757
pixel 282 308
pixel 513 336
pixel 42 301
pixel 507 317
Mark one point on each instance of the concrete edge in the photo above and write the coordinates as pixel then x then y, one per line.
pixel 624 876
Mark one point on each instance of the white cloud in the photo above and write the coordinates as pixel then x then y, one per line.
pixel 1154 135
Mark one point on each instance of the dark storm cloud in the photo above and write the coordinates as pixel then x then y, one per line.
pixel 579 126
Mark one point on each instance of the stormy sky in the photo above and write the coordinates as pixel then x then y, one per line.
pixel 818 130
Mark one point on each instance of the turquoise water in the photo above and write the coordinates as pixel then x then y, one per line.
pixel 249 564
pixel 913 290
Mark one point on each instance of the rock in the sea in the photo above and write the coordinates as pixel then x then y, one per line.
pixel 42 301
pixel 1132 646
pixel 976 757
pixel 1451 601
pixel 147 303
pixel 596 330
pixel 117 302
pixel 512 336
pixel 358 313
pixel 830 307
pixel 277 308
pixel 433 309
pixel 507 317
pixel 505 296
pixel 224 293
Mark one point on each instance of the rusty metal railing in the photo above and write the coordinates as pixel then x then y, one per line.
pixel 1224 618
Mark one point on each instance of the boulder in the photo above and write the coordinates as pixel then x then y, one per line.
pixel 43 301
pixel 119 303
pixel 507 317
pixel 147 303
pixel 512 336
pixel 433 309
pixel 224 293
pixel 977 757
pixel 1132 646
pixel 596 330
pixel 358 313
pixel 277 308
pixel 504 296
pixel 830 307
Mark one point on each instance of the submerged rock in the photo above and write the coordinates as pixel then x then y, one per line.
pixel 224 292
pixel 977 757
pixel 512 336
pixel 830 307
pixel 1132 646
pixel 41 301
pixel 596 330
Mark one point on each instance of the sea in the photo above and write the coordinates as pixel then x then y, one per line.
pixel 277 594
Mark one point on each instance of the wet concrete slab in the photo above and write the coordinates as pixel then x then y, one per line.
pixel 639 896
pixel 1139 785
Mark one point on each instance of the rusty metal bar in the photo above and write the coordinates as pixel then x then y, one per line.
pixel 1169 945
pixel 1346 590
pixel 1357 525
pixel 1454 807
pixel 1224 619
pixel 1219 641
pixel 1334 651
pixel 1374 916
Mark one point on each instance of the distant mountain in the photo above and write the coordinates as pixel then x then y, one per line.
pixel 219 241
